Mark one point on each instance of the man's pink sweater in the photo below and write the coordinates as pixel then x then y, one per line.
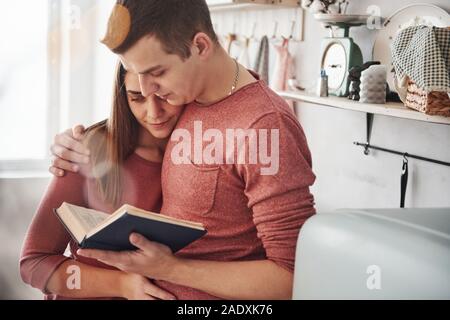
pixel 248 216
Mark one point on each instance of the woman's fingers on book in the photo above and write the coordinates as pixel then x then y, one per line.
pixel 140 241
pixel 146 245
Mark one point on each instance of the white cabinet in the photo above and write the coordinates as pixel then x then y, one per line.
pixel 374 254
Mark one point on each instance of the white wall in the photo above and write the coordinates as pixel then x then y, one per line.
pixel 346 177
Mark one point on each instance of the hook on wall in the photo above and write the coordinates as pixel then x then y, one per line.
pixel 252 36
pixel 405 157
pixel 287 24
pixel 275 29
pixel 234 27
pixel 291 36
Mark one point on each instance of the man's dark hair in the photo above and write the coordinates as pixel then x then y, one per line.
pixel 173 22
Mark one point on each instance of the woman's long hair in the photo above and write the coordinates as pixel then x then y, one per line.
pixel 111 141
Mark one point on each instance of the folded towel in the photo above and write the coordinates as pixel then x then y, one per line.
pixel 422 54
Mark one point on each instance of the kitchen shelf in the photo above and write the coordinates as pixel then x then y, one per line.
pixel 256 5
pixel 392 109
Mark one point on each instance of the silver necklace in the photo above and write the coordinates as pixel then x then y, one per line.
pixel 236 78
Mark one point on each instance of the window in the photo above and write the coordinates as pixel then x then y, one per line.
pixel 23 80
pixel 54 74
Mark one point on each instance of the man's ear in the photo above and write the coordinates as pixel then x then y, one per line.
pixel 202 45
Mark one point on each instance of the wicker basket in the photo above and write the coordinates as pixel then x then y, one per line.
pixel 432 103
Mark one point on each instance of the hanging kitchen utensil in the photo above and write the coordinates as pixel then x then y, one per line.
pixel 403 180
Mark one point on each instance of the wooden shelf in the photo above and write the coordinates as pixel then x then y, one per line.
pixel 392 109
pixel 254 5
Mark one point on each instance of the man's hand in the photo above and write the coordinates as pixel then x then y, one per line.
pixel 68 151
pixel 151 259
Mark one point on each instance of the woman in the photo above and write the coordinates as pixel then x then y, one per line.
pixel 125 168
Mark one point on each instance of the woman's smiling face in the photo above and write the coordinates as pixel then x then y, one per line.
pixel 153 113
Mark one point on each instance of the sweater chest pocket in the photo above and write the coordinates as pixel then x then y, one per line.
pixel 192 187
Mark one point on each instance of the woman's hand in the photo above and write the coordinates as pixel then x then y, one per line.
pixel 137 287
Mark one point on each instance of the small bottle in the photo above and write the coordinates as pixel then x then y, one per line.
pixel 322 86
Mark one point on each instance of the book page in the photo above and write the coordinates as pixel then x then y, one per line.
pixel 87 217
pixel 160 217
pixel 128 209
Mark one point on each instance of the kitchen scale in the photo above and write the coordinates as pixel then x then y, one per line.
pixel 339 54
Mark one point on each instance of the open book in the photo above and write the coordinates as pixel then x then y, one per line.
pixel 94 229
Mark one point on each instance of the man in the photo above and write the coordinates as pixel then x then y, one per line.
pixel 253 204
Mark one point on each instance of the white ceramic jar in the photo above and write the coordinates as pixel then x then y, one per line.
pixel 373 85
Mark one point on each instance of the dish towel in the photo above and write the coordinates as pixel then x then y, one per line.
pixel 284 66
pixel 284 69
pixel 262 60
pixel 422 54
